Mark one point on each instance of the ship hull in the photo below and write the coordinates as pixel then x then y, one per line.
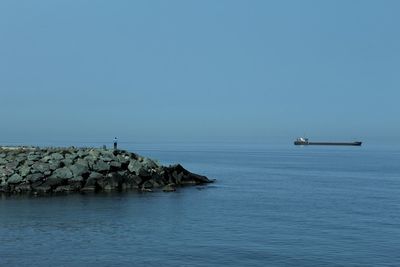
pixel 300 143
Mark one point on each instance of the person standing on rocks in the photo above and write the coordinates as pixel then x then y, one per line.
pixel 115 143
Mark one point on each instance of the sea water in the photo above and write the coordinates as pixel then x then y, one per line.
pixel 270 206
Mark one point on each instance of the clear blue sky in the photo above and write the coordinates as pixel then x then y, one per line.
pixel 199 70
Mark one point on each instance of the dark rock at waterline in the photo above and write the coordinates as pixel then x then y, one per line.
pixel 169 188
pixel 47 170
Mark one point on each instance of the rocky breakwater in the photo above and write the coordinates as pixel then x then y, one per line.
pixel 48 170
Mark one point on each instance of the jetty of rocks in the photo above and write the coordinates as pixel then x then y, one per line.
pixel 52 170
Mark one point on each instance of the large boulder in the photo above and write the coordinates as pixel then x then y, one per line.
pixel 71 156
pixel 67 162
pixel 91 161
pixel 101 166
pixel 82 153
pixel 33 156
pixel 123 159
pixel 12 165
pixel 94 153
pixel 82 162
pixel 79 170
pixel 96 175
pixel 24 170
pixel 41 167
pixel 34 177
pixel 111 182
pixel 57 156
pixel 15 179
pixel 46 158
pixel 115 165
pixel 4 171
pixel 149 163
pixel 182 176
pixel 63 173
pixel 54 164
pixel 92 181
pixel 136 167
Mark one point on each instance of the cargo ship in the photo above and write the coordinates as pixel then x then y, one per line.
pixel 304 142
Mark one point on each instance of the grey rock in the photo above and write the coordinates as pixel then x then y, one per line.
pixel 34 177
pixel 91 183
pixel 135 166
pixel 79 170
pixel 82 162
pixel 15 179
pixel 6 172
pixel 12 165
pixel 111 182
pixel 33 156
pixel 94 153
pixel 147 185
pixel 124 173
pixel 24 187
pixel 64 173
pixel 101 166
pixel 71 156
pixel 108 153
pixel 76 179
pixel 63 188
pixel 29 162
pixel 36 184
pixel 185 177
pixel 72 169
pixel 90 161
pixel 19 160
pixel 82 153
pixel 54 181
pixel 67 162
pixel 177 176
pixel 57 156
pixel 4 187
pixel 133 179
pixel 46 158
pixel 106 159
pixel 75 186
pixel 53 165
pixel 90 188
pixel 96 175
pixel 169 188
pixel 24 170
pixel 43 189
pixel 158 180
pixel 149 163
pixel 189 182
pixel 115 165
pixel 123 159
pixel 40 167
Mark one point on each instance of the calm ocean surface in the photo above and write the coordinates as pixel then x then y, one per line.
pixel 271 206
